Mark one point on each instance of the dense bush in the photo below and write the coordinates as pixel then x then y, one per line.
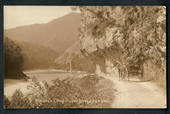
pixel 13 60
pixel 88 91
pixel 155 73
pixel 140 31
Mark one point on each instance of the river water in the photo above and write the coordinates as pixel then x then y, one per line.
pixel 10 85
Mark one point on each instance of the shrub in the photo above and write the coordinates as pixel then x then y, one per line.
pixel 6 102
pixel 68 93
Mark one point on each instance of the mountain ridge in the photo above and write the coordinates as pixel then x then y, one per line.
pixel 58 34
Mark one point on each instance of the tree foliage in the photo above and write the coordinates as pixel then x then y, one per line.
pixel 140 31
pixel 67 93
pixel 13 60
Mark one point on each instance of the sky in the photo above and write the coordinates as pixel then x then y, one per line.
pixel 26 15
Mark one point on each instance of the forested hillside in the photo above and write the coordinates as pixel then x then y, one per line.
pixel 139 31
pixel 20 56
pixel 37 56
pixel 58 34
pixel 13 60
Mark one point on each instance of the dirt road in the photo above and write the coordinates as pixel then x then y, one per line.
pixel 131 94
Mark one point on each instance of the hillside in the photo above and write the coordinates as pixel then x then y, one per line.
pixel 58 34
pixel 37 56
pixel 71 51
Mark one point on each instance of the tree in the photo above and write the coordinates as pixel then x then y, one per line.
pixel 139 31
pixel 13 60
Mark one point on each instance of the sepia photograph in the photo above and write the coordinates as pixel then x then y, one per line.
pixel 84 57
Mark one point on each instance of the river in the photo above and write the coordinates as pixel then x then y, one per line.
pixel 10 85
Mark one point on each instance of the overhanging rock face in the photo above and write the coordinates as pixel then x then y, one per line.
pixel 90 44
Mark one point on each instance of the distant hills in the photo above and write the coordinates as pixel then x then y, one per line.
pixel 71 51
pixel 42 44
pixel 37 56
pixel 58 35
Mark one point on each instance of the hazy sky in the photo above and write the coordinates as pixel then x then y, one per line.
pixel 25 15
